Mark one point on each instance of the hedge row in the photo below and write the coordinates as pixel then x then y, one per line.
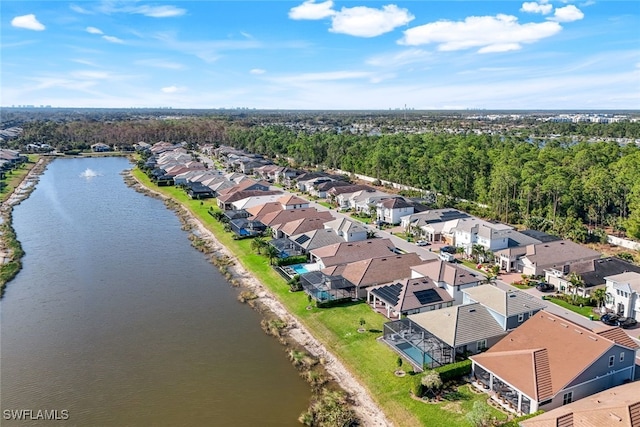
pixel 298 259
pixel 454 371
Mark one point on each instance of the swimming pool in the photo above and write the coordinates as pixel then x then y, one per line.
pixel 299 268
pixel 416 355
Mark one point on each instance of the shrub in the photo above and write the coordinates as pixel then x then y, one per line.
pixel 297 259
pixel 454 371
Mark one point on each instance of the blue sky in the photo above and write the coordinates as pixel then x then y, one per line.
pixel 321 54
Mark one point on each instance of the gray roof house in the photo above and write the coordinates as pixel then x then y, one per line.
pixel 350 231
pixel 558 255
pixel 452 278
pixel 434 338
pixel 509 308
pixel 408 296
pixel 315 239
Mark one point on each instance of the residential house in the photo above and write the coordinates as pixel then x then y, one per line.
pixel 435 338
pixel 558 255
pixel 226 201
pixel 315 239
pixel 374 270
pixel 195 190
pixel 428 225
pixel 592 273
pixel 257 200
pixel 322 190
pixel 474 231
pixel 350 231
pixel 291 201
pixel 246 227
pixel 100 147
pixel 306 181
pixel 336 191
pixel 365 200
pixel 549 361
pixel 343 253
pixel 391 210
pixel 451 277
pixel 407 296
pixel 510 308
pixel 277 219
pixel 615 407
pixel 624 289
pixel 299 226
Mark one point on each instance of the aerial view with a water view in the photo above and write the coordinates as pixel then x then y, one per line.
pixel 320 213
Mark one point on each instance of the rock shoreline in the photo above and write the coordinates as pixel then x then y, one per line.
pixel 365 408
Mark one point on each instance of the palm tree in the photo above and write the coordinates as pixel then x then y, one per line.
pixel 601 296
pixel 271 252
pixel 575 282
pixel 258 244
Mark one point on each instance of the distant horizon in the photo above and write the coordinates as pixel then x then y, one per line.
pixel 398 111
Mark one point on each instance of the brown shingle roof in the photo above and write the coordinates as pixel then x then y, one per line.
pixel 343 253
pixel 559 253
pixel 441 271
pixel 374 271
pixel 257 212
pixel 285 216
pixel 292 199
pixel 303 225
pixel 571 348
pixel 615 407
pixel 618 336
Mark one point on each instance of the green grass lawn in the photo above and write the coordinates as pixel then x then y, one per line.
pixel 586 311
pixel 14 177
pixel 325 204
pixel 371 361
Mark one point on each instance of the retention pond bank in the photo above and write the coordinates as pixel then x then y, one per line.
pixel 118 320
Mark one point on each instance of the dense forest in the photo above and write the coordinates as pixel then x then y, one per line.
pixel 550 176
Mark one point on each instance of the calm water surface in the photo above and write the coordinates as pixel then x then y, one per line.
pixel 118 320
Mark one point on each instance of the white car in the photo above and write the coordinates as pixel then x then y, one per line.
pixel 422 243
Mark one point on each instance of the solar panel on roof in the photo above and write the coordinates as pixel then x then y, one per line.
pixel 390 293
pixel 300 240
pixel 427 296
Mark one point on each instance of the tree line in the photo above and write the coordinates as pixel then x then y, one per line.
pixel 544 175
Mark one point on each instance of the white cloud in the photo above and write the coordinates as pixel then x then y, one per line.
pixel 257 71
pixel 311 10
pixel 28 22
pixel 489 33
pixel 568 13
pixel 159 11
pixel 364 21
pixel 80 10
pixel 85 62
pixel 170 89
pixel 537 7
pixel 112 39
pixel 94 30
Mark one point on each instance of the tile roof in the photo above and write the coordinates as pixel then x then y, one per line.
pixel 261 210
pixel 303 225
pixel 615 407
pixel 317 239
pixel 507 303
pixel 342 253
pixel 243 194
pixel 374 271
pixel 630 278
pixel 442 271
pixel 395 203
pixel 598 269
pixel 460 324
pixel 288 215
pixel 410 294
pixel 292 199
pixel 559 253
pixel 346 225
pixel 570 349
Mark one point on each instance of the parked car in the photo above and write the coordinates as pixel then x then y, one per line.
pixel 422 243
pixel 627 322
pixel 446 256
pixel 448 249
pixel 610 319
pixel 545 287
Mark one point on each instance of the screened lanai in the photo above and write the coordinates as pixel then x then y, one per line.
pixel 421 348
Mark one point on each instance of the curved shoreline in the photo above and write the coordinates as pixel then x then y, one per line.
pixel 364 406
pixel 10 247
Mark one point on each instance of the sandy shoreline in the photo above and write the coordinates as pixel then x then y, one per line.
pixel 366 409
